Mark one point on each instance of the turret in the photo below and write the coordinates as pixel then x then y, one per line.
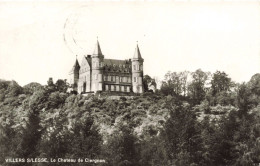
pixel 137 72
pixel 97 72
pixel 74 75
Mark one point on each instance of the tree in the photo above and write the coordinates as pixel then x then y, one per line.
pixel 148 81
pixel 61 85
pixel 254 88
pixel 254 84
pixel 56 137
pixel 31 135
pixel 181 136
pixel 122 148
pixel 86 140
pixel 31 87
pixel 50 85
pixel 243 102
pixel 220 82
pixel 174 83
pixel 8 138
pixel 183 79
pixel 197 89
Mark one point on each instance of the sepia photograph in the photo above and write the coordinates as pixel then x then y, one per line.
pixel 130 83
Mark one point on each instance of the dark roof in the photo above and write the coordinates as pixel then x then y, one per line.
pixel 109 62
pixel 88 58
pixel 76 66
pixel 114 65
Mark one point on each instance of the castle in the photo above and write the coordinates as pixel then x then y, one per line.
pixel 97 74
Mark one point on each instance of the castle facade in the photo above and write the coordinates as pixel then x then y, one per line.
pixel 99 74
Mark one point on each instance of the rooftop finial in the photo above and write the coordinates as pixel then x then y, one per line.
pixel 76 56
pixel 97 37
pixel 137 42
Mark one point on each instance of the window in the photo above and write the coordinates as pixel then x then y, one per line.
pixel 137 67
pixel 125 79
pixel 96 76
pixel 100 77
pixel 125 88
pixel 134 67
pixel 134 79
pixel 105 78
pixel 140 80
pixel 112 87
pixel 112 78
pixel 121 79
pixel 129 79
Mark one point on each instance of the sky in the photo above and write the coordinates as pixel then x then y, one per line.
pixel 40 39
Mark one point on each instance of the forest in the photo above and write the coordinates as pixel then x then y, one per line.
pixel 194 119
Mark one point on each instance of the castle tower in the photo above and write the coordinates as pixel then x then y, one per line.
pixel 74 75
pixel 97 73
pixel 137 72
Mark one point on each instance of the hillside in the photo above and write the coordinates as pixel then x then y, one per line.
pixel 223 128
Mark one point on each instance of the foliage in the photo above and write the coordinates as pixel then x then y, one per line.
pixel 187 123
pixel 147 82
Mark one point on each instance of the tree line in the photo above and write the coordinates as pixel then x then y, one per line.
pixel 195 118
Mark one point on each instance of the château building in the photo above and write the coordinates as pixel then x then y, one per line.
pixel 96 73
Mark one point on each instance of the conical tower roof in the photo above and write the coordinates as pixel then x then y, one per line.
pixel 76 66
pixel 137 54
pixel 97 50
